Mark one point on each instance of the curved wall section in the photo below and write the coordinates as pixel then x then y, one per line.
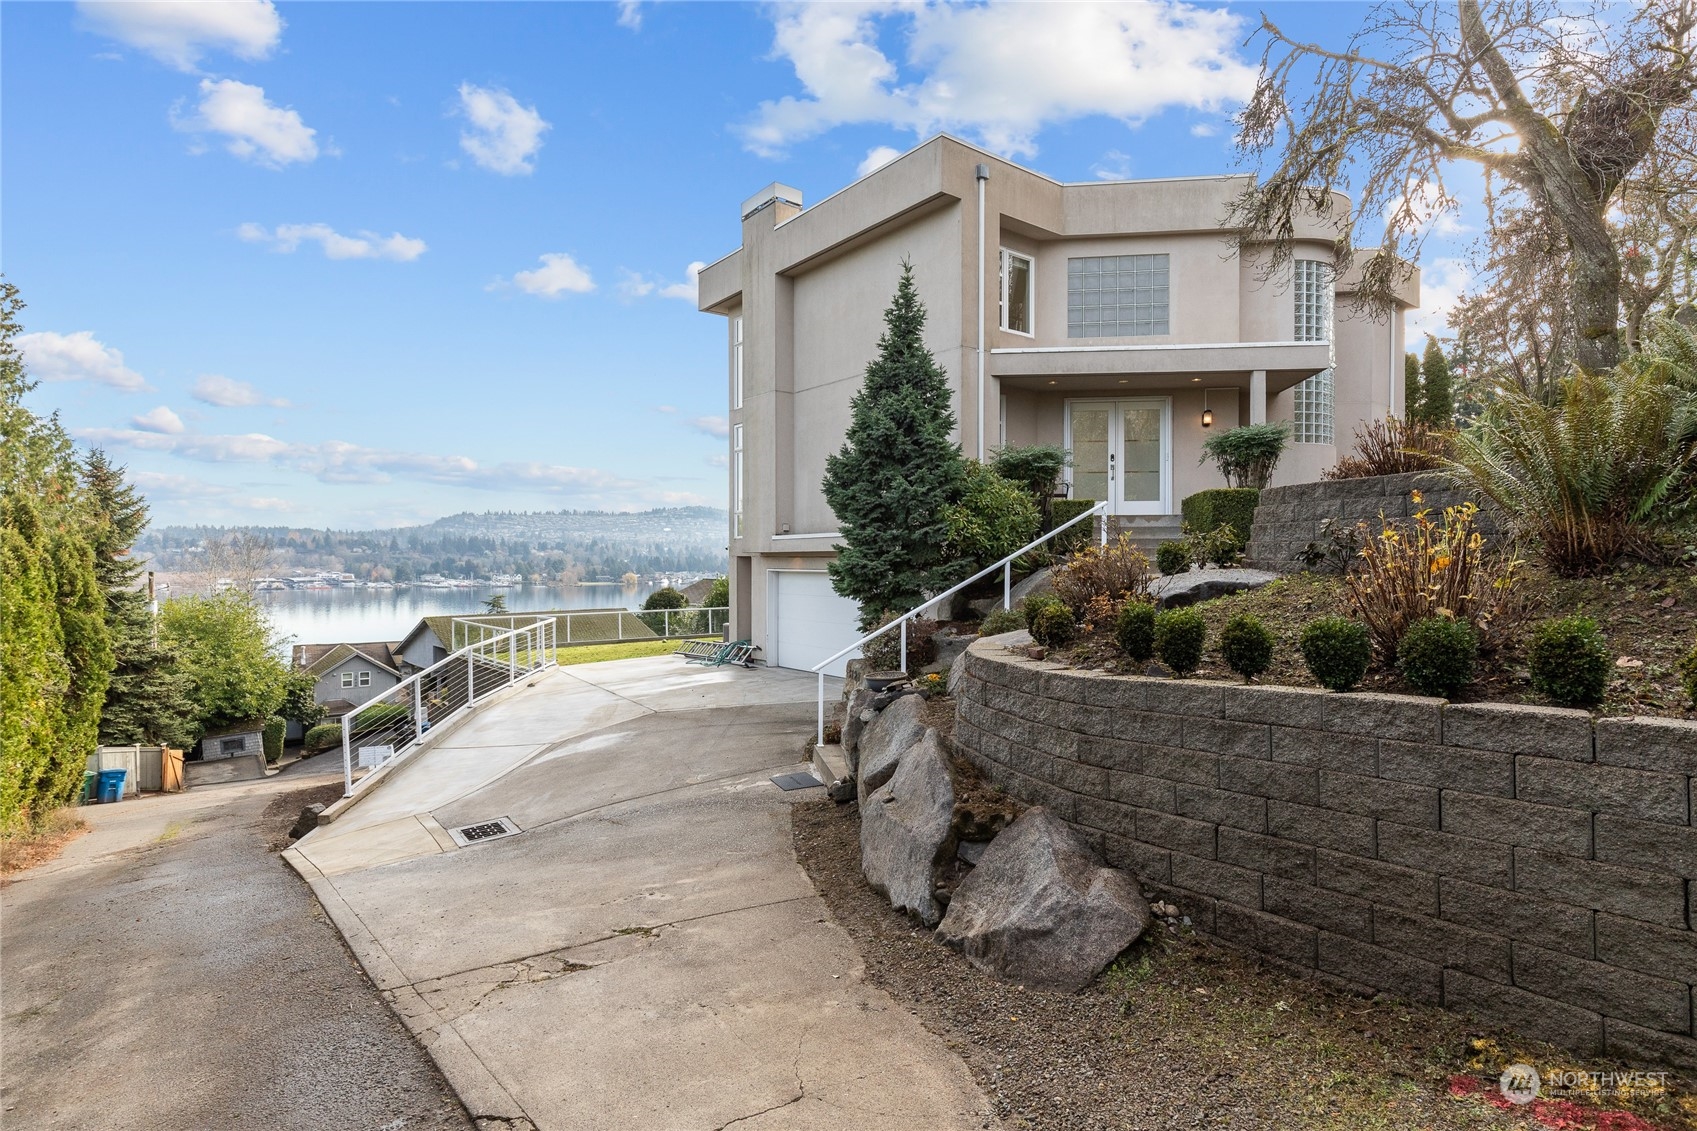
pixel 1525 864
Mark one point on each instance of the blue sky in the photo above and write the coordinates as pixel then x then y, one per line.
pixel 346 264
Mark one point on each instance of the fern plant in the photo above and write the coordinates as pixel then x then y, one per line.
pixel 1593 476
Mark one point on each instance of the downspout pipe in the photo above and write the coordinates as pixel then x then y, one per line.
pixel 983 174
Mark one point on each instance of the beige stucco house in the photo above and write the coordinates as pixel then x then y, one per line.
pixel 1108 317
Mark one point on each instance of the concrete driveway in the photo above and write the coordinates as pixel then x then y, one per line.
pixel 646 953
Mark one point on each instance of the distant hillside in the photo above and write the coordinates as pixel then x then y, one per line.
pixel 539 545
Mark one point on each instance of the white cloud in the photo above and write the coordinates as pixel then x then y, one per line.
pixel 1442 282
pixel 718 459
pixel 876 158
pixel 161 420
pixel 712 425
pixel 78 356
pixel 666 408
pixel 630 14
pixel 226 392
pixel 1114 166
pixel 504 136
pixel 177 33
pixel 558 275
pixel 1204 129
pixel 999 72
pixel 362 245
pixel 254 129
pixel 633 285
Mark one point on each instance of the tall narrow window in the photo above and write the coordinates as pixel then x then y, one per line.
pixel 736 481
pixel 736 362
pixel 1117 296
pixel 1016 292
pixel 1314 397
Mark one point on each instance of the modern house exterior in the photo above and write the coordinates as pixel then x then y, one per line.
pixel 1113 318
pixel 348 674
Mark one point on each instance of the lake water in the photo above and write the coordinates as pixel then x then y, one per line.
pixel 332 616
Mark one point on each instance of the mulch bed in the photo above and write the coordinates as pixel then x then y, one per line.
pixel 1181 1033
pixel 1648 614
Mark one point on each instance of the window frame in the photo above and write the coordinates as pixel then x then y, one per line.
pixel 1161 262
pixel 736 480
pixel 1313 307
pixel 365 679
pixel 1008 253
pixel 736 362
pixel 347 679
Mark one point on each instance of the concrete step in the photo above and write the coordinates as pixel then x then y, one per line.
pixel 1147 532
pixel 830 763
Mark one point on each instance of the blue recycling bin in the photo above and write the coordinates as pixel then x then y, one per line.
pixel 112 785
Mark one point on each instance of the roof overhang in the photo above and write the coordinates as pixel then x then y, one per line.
pixel 1149 366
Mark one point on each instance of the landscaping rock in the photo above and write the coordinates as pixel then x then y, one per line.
pixel 904 831
pixel 1040 910
pixel 307 821
pixel 855 718
pixel 1037 583
pixel 882 743
pixel 1182 589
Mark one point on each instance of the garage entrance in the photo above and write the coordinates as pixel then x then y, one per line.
pixel 809 620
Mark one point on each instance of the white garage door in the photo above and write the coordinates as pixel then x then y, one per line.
pixel 812 621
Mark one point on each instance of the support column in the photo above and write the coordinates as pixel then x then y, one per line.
pixel 1258 396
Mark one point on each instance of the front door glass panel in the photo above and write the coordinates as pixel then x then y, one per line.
pixel 1140 427
pixel 1090 448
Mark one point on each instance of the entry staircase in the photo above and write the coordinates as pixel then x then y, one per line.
pixel 1147 532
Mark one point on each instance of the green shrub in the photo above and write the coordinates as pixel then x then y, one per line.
pixel 994 517
pixel 1437 655
pixel 1036 467
pixel 1051 623
pixel 1220 546
pixel 1570 662
pixel 1180 635
pixel 380 716
pixel 1687 669
pixel 1247 646
pixel 1062 511
pixel 1223 506
pixel 271 738
pixel 1246 456
pixel 719 595
pixel 1134 629
pixel 998 621
pixel 323 737
pixel 1172 557
pixel 884 654
pixel 1337 651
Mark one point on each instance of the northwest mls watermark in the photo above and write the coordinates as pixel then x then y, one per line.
pixel 1521 1084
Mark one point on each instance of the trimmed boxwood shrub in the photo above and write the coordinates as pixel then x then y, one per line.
pixel 323 737
pixel 1337 651
pixel 1222 506
pixel 1172 557
pixel 1247 646
pixel 1437 655
pixel 884 653
pixel 1050 621
pixel 271 738
pixel 1180 635
pixel 998 621
pixel 1134 629
pixel 1063 511
pixel 1570 662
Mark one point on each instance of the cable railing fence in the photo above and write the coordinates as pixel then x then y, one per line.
pixel 1100 510
pixel 387 725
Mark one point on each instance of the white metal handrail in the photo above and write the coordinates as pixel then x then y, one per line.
pixel 441 693
pixel 674 624
pixel 1005 565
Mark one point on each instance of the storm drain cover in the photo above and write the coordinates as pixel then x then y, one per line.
pixel 482 831
pixel 787 782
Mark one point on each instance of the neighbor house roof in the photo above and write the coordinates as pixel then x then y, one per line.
pixel 309 657
pixel 379 654
pixel 595 624
pixel 696 591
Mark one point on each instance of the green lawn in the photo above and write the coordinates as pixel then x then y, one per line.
pixel 628 650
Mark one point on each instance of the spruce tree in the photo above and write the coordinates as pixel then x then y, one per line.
pixel 1411 408
pixel 1437 397
pixel 897 471
pixel 147 700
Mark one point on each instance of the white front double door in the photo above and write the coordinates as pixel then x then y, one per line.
pixel 1122 452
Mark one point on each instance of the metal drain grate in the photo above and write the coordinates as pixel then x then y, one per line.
pixel 484 830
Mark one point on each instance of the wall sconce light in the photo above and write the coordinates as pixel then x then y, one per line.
pixel 1207 413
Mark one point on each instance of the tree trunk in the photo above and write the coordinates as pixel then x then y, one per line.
pixel 1596 293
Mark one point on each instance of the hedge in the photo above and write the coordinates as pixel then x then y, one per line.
pixel 1206 511
pixel 271 738
pixel 1064 511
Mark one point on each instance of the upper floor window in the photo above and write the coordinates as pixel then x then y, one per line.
pixel 1313 300
pixel 1016 292
pixel 365 679
pixel 736 481
pixel 1117 296
pixel 347 679
pixel 736 362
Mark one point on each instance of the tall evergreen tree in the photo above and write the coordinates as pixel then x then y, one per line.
pixel 55 653
pixel 1437 393
pixel 897 471
pixel 1411 408
pixel 147 700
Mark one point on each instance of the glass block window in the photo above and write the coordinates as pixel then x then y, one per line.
pixel 1313 398
pixel 1117 296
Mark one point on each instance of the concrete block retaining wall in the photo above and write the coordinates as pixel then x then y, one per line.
pixel 1525 864
pixel 1288 518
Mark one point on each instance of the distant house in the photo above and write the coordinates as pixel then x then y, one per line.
pixel 432 638
pixel 232 742
pixel 348 674
pixel 696 591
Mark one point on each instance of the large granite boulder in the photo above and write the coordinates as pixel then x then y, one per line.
pixel 855 718
pixel 905 831
pixel 885 739
pixel 1039 910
